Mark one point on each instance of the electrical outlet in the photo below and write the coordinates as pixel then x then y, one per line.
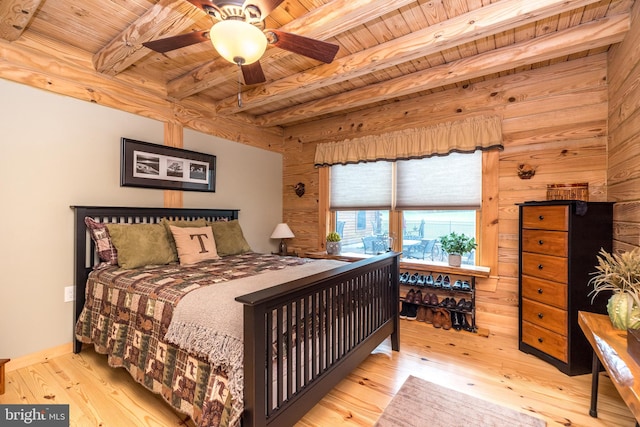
pixel 69 294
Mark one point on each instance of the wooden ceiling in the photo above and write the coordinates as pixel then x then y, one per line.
pixel 389 49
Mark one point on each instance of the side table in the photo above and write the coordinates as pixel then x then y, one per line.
pixel 610 349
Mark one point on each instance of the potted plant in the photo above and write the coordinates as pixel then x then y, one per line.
pixel 620 274
pixel 456 245
pixel 333 243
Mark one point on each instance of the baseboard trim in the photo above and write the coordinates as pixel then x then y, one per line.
pixel 39 357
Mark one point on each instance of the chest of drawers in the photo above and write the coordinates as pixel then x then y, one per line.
pixel 559 242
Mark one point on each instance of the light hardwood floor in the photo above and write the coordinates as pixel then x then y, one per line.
pixel 488 367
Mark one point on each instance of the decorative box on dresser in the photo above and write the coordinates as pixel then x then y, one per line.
pixel 559 243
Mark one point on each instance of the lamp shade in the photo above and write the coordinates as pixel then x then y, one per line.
pixel 282 231
pixel 238 41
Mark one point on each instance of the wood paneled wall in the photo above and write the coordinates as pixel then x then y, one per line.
pixel 624 136
pixel 554 119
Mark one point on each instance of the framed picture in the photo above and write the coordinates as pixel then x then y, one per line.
pixel 143 164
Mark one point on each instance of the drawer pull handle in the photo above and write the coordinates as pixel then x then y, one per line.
pixel 540 267
pixel 540 340
pixel 539 290
pixel 540 315
pixel 541 217
pixel 541 242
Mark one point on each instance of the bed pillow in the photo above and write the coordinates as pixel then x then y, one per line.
pixel 229 238
pixel 104 246
pixel 200 222
pixel 141 244
pixel 194 244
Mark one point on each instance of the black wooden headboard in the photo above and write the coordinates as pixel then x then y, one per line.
pixel 85 253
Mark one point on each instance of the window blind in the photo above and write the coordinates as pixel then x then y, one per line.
pixel 448 182
pixel 361 186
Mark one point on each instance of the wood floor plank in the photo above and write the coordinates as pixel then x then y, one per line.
pixel 491 368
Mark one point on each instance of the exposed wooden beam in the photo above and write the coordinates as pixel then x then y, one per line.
pixel 322 23
pixel 15 16
pixel 465 28
pixel 591 35
pixel 42 63
pixel 165 18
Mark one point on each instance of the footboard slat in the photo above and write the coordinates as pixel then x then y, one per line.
pixel 325 326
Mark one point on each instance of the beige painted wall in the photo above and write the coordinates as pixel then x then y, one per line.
pixel 58 151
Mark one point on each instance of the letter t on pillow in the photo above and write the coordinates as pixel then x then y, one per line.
pixel 194 244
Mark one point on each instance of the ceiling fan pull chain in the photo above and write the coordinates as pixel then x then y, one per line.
pixel 239 87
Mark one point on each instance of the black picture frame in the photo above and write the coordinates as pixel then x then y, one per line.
pixel 143 164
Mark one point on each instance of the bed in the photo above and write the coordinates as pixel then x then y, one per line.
pixel 300 335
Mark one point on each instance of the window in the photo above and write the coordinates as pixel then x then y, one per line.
pixel 421 230
pixel 434 196
pixel 372 238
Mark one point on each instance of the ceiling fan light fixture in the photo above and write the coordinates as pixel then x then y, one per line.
pixel 238 42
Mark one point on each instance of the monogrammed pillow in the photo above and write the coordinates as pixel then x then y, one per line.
pixel 195 244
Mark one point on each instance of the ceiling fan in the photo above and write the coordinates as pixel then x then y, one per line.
pixel 239 36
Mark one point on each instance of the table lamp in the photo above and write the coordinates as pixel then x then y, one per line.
pixel 282 232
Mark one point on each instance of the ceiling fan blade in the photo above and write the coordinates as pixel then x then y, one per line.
pixel 265 6
pixel 202 4
pixel 176 42
pixel 312 48
pixel 253 74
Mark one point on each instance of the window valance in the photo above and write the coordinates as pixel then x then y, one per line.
pixel 464 136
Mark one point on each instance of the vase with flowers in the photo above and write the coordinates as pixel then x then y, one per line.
pixel 619 273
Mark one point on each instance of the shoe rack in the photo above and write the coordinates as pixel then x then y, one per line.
pixel 444 300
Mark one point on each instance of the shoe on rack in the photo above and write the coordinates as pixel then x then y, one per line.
pixel 457 285
pixel 422 314
pixel 451 304
pixel 429 280
pixel 417 297
pixel 410 297
pixel 433 299
pixel 466 286
pixel 412 312
pixel 468 306
pixel 404 277
pixel 437 318
pixel 456 322
pixel 421 280
pixel 461 304
pixel 446 283
pixel 446 319
pixel 413 279
pixel 444 302
pixel 438 282
pixel 403 311
pixel 466 325
pixel 428 315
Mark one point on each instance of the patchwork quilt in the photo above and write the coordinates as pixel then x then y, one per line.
pixel 127 314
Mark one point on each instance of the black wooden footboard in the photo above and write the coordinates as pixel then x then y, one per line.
pixel 302 337
pixel 323 326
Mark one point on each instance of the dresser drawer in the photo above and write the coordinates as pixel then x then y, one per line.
pixel 544 340
pixel 546 242
pixel 545 316
pixel 545 267
pixel 545 291
pixel 546 217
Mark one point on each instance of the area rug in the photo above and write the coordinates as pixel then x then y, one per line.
pixel 420 403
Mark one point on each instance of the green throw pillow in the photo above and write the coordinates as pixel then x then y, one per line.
pixel 141 244
pixel 200 222
pixel 229 238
